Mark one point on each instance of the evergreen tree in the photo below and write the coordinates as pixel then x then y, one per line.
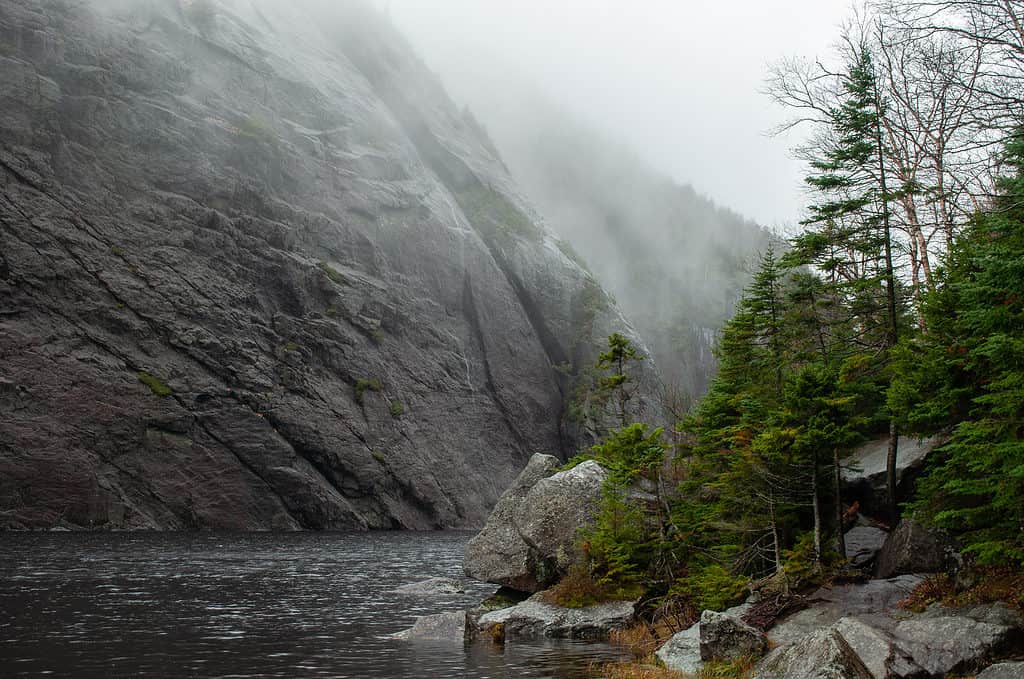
pixel 969 371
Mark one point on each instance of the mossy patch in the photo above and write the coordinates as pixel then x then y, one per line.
pixel 155 384
pixel 363 385
pixel 397 409
pixel 493 215
pixel 331 272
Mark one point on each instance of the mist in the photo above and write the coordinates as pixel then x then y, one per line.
pixel 679 83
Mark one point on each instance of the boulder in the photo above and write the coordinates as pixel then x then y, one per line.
pixel 724 637
pixel 830 604
pixel 825 654
pixel 945 641
pixel 878 650
pixel 865 478
pixel 681 653
pixel 1005 670
pixel 498 553
pixel 863 544
pixel 555 509
pixel 441 627
pixel 432 586
pixel 913 548
pixel 536 618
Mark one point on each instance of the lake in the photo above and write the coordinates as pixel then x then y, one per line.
pixel 246 605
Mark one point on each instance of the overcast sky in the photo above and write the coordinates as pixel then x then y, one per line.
pixel 678 81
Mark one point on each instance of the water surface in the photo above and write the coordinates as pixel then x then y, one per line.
pixel 246 605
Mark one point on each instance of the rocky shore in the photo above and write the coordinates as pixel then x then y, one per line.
pixel 858 627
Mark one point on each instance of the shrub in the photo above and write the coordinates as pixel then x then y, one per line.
pixel 397 409
pixel 379 456
pixel 331 272
pixel 154 384
pixel 364 385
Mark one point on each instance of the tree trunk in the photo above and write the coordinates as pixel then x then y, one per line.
pixel 816 501
pixel 776 542
pixel 890 471
pixel 837 489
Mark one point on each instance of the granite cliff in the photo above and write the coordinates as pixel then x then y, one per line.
pixel 258 272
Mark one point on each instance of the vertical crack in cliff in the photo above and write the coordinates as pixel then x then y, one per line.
pixel 472 315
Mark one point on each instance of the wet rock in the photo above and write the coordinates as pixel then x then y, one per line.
pixel 945 641
pixel 830 604
pixel 824 654
pixel 682 651
pixel 865 475
pixel 264 277
pixel 878 650
pixel 553 512
pixel 863 544
pixel 432 586
pixel 498 553
pixel 537 618
pixel 724 637
pixel 1006 670
pixel 450 627
pixel 913 548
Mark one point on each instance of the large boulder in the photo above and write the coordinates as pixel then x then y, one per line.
pixel 725 637
pixel 824 654
pixel 528 541
pixel 947 641
pixel 535 617
pixel 555 509
pixel 914 548
pixel 681 653
pixel 1005 670
pixel 498 553
pixel 878 650
pixel 863 544
pixel 864 477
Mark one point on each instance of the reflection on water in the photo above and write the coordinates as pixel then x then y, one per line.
pixel 245 605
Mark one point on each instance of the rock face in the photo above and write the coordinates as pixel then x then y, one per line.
pixel 724 637
pixel 913 548
pixel 537 618
pixel 527 542
pixel 865 477
pixel 498 553
pixel 822 655
pixel 878 650
pixel 257 271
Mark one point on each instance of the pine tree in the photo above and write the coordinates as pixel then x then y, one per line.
pixel 849 235
pixel 969 371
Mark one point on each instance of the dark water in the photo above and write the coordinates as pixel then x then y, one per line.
pixel 245 605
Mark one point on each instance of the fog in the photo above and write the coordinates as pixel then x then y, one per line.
pixel 677 82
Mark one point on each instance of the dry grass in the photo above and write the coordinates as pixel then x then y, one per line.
pixel 736 669
pixel 640 638
pixel 622 670
pixel 989 585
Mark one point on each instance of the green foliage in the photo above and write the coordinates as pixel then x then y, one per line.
pixel 397 409
pixel 494 215
pixel 117 250
pixel 253 129
pixel 628 453
pixel 331 272
pixel 569 251
pixel 380 457
pixel 363 385
pixel 968 371
pixel 155 384
pixel 711 587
